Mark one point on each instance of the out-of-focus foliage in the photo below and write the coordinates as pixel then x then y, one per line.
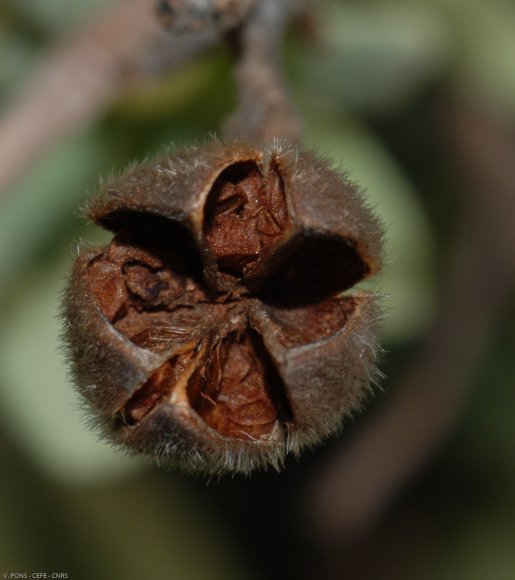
pixel 54 17
pixel 381 57
pixel 70 503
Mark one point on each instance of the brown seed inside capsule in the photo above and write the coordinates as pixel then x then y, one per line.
pixel 246 214
pixel 238 391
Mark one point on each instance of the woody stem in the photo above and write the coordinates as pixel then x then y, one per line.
pixel 265 109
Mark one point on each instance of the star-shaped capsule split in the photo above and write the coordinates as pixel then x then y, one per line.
pixel 217 331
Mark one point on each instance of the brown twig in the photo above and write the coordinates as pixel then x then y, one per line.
pixel 356 486
pixel 79 79
pixel 265 109
pixel 195 15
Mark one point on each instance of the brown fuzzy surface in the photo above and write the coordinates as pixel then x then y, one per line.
pixel 227 298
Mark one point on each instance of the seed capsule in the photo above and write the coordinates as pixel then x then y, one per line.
pixel 215 331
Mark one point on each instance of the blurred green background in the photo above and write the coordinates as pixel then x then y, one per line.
pixel 368 78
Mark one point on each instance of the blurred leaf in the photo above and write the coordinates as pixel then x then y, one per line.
pixel 57 16
pixel 170 93
pixel 150 528
pixel 481 547
pixel 486 441
pixel 46 197
pixel 377 55
pixel 484 37
pixel 149 525
pixel 16 58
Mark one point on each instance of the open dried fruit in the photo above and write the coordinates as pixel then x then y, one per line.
pixel 215 331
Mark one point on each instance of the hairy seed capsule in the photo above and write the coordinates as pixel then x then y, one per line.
pixel 214 331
